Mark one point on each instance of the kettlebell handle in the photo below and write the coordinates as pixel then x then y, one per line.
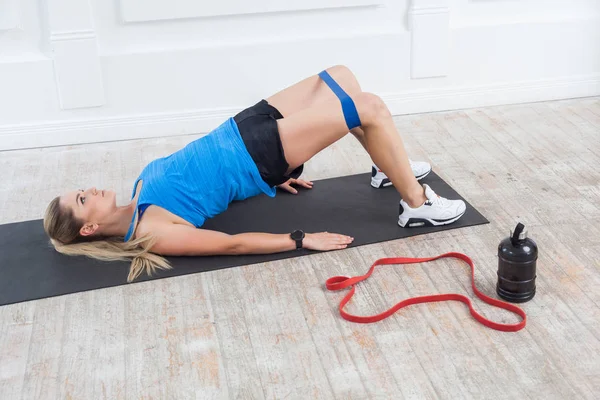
pixel 515 237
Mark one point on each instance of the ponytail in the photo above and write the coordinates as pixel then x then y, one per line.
pixel 63 229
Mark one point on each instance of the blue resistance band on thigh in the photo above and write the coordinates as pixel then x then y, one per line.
pixel 348 107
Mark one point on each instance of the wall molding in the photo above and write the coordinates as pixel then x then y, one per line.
pixel 72 35
pixel 59 133
pixel 429 23
pixel 417 10
pixel 10 17
pixel 74 46
pixel 133 11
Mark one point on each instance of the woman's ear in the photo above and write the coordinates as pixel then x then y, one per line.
pixel 88 229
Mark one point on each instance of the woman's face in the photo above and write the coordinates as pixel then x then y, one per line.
pixel 91 205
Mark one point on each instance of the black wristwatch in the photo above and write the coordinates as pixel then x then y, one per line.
pixel 297 236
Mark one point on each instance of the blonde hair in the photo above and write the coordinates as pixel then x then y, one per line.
pixel 63 229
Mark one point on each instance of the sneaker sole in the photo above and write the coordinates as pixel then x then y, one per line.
pixel 386 182
pixel 419 222
pixel 380 184
pixel 423 176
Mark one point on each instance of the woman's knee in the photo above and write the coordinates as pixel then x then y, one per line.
pixel 345 78
pixel 371 108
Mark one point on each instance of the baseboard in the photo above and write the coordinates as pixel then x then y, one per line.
pixel 456 98
pixel 60 133
pixel 141 126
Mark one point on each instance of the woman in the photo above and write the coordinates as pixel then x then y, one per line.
pixel 261 148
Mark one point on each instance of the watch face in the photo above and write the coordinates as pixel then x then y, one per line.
pixel 297 235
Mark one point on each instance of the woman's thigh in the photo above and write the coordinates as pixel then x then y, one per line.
pixel 313 90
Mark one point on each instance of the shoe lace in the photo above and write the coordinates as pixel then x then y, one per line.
pixel 440 201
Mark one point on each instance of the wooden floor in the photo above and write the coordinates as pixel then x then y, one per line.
pixel 271 331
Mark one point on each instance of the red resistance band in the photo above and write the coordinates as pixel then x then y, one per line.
pixel 342 282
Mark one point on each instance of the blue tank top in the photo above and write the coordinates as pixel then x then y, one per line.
pixel 202 179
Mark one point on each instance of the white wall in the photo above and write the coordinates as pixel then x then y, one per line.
pixel 77 71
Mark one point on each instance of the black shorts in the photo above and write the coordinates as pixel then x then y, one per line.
pixel 259 131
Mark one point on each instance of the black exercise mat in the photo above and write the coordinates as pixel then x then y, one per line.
pixel 31 269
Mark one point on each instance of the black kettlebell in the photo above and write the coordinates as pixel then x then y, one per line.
pixel 517 258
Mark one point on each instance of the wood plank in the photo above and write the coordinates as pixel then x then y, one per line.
pixel 41 378
pixel 324 324
pixel 229 303
pixel 16 328
pixel 375 349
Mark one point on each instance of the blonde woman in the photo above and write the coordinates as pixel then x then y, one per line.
pixel 256 151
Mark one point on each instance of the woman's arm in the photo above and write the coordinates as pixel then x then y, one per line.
pixel 183 240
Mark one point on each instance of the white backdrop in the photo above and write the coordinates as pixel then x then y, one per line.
pixel 78 71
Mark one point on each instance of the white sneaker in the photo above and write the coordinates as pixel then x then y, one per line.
pixel 434 212
pixel 380 180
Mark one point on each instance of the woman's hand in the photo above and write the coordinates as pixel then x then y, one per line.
pixel 288 185
pixel 324 241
